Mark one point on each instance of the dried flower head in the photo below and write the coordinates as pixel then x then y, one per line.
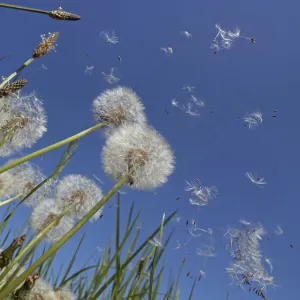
pixel 141 153
pixel 23 292
pixel 21 180
pixel 13 87
pixel 23 122
pixel 60 14
pixel 80 193
pixel 47 44
pixel 118 106
pixel 44 214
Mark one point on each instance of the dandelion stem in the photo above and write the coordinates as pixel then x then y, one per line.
pixel 8 289
pixel 4 82
pixel 33 243
pixel 24 8
pixel 51 147
pixel 10 200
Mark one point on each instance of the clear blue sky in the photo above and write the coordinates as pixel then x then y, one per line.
pixel 214 147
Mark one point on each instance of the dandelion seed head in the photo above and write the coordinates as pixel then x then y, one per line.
pixel 80 193
pixel 118 106
pixel 140 152
pixel 45 213
pixel 65 294
pixel 23 122
pixel 41 291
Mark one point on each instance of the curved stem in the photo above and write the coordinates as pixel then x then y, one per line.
pixel 51 147
pixel 8 289
pixel 2 203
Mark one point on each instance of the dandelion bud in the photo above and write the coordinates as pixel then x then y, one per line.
pixel 44 214
pixel 12 87
pixel 60 14
pixel 139 152
pixel 79 193
pixel 46 45
pixel 23 121
pixel 118 106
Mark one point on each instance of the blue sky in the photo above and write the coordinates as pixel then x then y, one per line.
pixel 214 147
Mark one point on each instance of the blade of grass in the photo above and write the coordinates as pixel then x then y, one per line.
pixel 127 261
pixel 192 290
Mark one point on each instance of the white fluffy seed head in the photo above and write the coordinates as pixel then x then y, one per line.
pixel 41 291
pixel 118 106
pixel 64 294
pixel 140 152
pixel 22 179
pixel 45 213
pixel 23 122
pixel 80 193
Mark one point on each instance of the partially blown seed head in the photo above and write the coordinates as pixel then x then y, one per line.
pixel 64 294
pixel 139 152
pixel 46 45
pixel 12 87
pixel 118 106
pixel 80 193
pixel 23 122
pixel 44 214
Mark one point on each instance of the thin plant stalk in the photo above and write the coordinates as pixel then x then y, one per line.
pixel 50 148
pixel 34 242
pixel 54 248
pixel 11 76
pixel 10 200
pixel 6 5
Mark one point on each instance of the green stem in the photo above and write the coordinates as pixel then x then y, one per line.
pixel 4 82
pixel 51 147
pixel 23 8
pixel 10 200
pixel 33 243
pixel 54 248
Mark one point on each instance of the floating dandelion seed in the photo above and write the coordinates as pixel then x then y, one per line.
pixel 278 230
pixel 206 251
pixel 89 69
pixel 186 34
pixel 244 222
pixel 252 120
pixel 23 121
pixel 188 88
pixel 139 152
pixel 247 267
pixel 118 106
pixel 44 214
pixel 196 101
pixel 178 246
pixel 269 262
pixel 201 195
pixel 188 109
pixel 79 193
pixel 109 37
pixel 111 78
pixel 168 51
pixel 256 180
pixel 44 67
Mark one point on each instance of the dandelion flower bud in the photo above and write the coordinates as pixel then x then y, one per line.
pixel 79 193
pixel 23 122
pixel 44 214
pixel 139 152
pixel 118 106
